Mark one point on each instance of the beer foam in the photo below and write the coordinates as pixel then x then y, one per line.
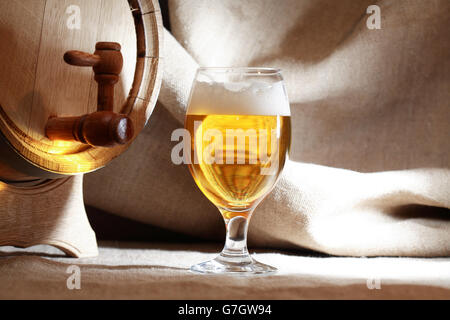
pixel 239 98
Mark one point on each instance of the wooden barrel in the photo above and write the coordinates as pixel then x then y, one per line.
pixel 37 84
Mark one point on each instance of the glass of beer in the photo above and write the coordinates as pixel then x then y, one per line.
pixel 239 124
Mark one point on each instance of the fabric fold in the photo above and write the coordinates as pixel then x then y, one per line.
pixel 369 171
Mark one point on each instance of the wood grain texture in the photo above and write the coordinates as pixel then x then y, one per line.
pixel 20 31
pixel 113 25
pixel 148 6
pixel 50 213
pixel 61 90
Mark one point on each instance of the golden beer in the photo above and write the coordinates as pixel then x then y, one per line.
pixel 237 165
pixel 236 142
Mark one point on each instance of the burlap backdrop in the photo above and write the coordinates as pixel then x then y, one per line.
pixel 370 153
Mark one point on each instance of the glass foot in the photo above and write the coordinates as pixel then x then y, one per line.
pixel 222 265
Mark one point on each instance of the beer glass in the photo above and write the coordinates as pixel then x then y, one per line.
pixel 238 120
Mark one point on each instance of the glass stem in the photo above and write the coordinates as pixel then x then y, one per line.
pixel 235 249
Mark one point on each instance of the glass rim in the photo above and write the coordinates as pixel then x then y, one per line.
pixel 256 71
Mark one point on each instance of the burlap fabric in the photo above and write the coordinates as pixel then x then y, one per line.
pixel 370 108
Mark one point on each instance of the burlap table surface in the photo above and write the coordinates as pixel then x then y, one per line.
pixel 127 270
pixel 368 173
